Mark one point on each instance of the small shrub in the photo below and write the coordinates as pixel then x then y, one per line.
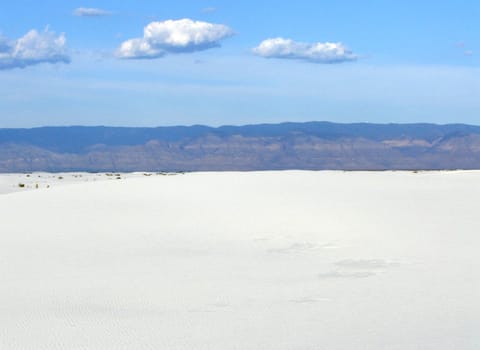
pixel 21 185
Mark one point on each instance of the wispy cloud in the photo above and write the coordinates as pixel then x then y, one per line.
pixel 4 44
pixel 209 9
pixel 174 36
pixel 462 46
pixel 33 48
pixel 312 52
pixel 90 12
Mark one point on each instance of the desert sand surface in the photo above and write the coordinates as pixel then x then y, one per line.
pixel 257 260
pixel 41 180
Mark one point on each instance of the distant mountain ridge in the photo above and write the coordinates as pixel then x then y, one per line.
pixel 310 145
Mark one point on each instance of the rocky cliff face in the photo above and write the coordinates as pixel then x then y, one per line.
pixel 263 147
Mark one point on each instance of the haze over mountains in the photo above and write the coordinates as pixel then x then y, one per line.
pixel 312 145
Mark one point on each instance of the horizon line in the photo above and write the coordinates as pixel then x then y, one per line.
pixel 241 125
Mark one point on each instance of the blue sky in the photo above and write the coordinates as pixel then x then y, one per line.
pixel 238 62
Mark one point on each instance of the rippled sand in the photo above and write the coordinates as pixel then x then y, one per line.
pixel 258 260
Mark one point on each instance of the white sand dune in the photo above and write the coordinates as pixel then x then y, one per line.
pixel 39 180
pixel 261 260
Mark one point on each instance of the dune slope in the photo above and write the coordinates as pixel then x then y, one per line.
pixel 260 260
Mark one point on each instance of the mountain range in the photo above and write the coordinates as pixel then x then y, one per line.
pixel 310 145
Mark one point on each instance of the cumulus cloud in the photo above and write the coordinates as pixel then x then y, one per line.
pixel 313 52
pixel 174 36
pixel 33 48
pixel 90 12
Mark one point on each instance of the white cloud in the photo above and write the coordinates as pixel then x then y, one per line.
pixel 33 48
pixel 90 12
pixel 174 36
pixel 313 52
pixel 139 48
